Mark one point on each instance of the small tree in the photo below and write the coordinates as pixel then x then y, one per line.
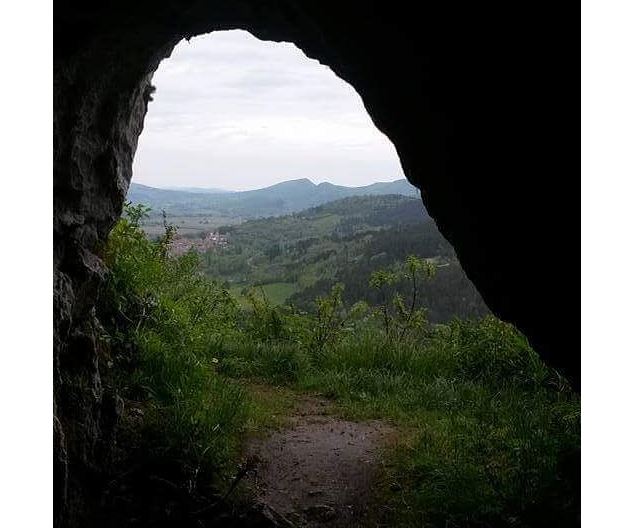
pixel 267 321
pixel 399 319
pixel 331 319
pixel 136 213
pixel 169 232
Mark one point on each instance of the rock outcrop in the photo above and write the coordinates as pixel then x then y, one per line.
pixel 480 100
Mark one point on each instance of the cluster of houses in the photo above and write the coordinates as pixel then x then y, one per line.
pixel 182 245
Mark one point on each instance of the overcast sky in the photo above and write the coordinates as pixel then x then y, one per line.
pixel 235 112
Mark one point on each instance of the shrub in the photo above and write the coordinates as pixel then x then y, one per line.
pixel 398 319
pixel 177 321
pixel 495 352
pixel 265 321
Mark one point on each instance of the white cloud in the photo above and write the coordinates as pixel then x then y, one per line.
pixel 236 112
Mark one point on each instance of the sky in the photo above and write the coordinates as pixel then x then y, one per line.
pixel 234 112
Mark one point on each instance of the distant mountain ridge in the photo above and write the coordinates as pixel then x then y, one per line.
pixel 279 199
pixel 199 190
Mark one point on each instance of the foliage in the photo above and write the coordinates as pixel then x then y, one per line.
pixel 267 322
pixel 331 320
pixel 176 320
pixel 398 319
pixel 344 242
pixel 493 435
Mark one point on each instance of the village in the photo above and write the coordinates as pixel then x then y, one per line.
pixel 181 245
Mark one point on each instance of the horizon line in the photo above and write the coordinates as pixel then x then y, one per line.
pixel 224 190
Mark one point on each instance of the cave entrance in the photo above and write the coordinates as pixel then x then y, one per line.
pixel 303 324
pixel 241 129
pixel 462 110
pixel 315 250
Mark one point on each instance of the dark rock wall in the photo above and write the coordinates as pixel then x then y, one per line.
pixel 480 99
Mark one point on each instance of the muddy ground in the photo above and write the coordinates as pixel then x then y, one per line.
pixel 320 470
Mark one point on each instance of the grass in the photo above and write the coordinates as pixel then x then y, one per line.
pixel 493 435
pixel 277 292
pixel 270 407
pixel 236 293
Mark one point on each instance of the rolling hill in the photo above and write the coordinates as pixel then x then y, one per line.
pixel 298 257
pixel 276 200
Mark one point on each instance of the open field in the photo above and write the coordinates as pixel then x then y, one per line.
pixel 277 293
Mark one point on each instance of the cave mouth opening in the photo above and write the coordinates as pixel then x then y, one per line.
pixel 217 357
pixel 234 114
pixel 457 138
pixel 96 146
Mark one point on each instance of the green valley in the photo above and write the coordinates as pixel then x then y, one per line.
pixel 298 257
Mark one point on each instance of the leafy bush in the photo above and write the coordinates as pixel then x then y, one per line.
pixel 399 320
pixel 177 321
pixel 275 362
pixel 493 351
pixel 266 322
pixel 332 319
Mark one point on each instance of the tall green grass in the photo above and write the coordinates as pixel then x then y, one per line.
pixel 175 322
pixel 491 435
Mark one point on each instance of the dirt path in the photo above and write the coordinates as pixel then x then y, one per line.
pixel 321 470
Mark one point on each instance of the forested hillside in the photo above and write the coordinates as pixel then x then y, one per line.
pixel 297 257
